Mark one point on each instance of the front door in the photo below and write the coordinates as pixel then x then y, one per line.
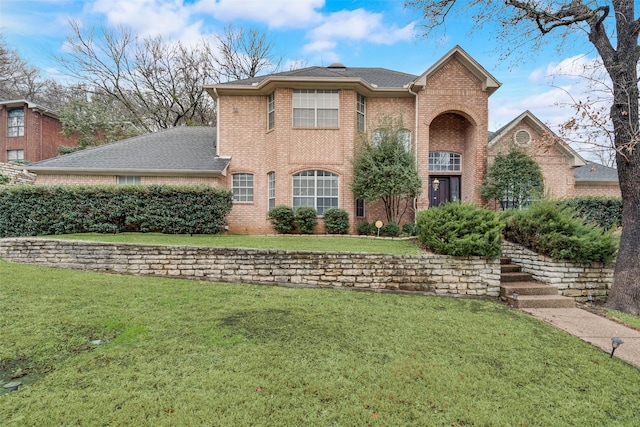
pixel 443 189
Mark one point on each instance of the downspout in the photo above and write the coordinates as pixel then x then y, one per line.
pixel 41 125
pixel 415 134
pixel 215 92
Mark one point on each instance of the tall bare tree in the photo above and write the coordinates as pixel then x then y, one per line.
pixel 244 53
pixel 18 79
pixel 603 23
pixel 159 83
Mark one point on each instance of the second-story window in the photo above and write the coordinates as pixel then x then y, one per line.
pixel 15 125
pixel 271 111
pixel 361 111
pixel 315 108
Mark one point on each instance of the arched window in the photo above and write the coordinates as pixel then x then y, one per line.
pixel 315 188
pixel 444 161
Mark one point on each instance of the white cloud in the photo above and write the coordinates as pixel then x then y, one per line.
pixel 273 13
pixel 147 17
pixel 354 25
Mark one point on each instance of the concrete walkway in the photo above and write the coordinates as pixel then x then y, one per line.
pixel 593 329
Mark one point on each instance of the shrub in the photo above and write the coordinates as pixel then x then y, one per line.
pixel 460 229
pixel 42 210
pixel 409 229
pixel 281 218
pixel 336 221
pixel 391 229
pixel 305 219
pixel 558 232
pixel 606 212
pixel 365 228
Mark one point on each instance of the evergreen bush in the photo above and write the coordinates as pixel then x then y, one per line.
pixel 44 210
pixel 460 229
pixel 305 219
pixel 366 229
pixel 281 218
pixel 391 229
pixel 409 229
pixel 556 231
pixel 336 221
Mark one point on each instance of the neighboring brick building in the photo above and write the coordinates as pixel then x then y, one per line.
pixel 29 132
pixel 288 139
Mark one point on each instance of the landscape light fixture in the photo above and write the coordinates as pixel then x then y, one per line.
pixel 515 297
pixel 615 343
pixel 590 299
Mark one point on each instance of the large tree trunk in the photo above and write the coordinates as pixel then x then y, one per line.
pixel 621 64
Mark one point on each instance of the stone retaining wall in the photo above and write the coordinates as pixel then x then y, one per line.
pixel 17 174
pixel 571 279
pixel 428 274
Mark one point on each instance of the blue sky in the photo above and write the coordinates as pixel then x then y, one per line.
pixel 374 33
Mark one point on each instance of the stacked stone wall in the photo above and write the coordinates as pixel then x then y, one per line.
pixel 572 279
pixel 17 175
pixel 426 274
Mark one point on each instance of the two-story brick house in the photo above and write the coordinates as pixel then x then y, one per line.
pixel 29 132
pixel 291 136
pixel 288 139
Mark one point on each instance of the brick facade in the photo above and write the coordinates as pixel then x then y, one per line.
pixel 42 132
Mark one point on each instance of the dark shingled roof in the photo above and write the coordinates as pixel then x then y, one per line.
pixel 380 77
pixel 180 150
pixel 595 172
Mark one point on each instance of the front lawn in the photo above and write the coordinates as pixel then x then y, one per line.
pixel 178 352
pixel 290 242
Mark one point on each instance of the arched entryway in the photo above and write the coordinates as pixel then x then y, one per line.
pixel 453 159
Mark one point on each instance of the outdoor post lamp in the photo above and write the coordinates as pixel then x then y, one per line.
pixel 435 184
pixel 615 343
pixel 515 297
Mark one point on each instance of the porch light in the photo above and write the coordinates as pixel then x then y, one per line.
pixel 435 184
pixel 615 343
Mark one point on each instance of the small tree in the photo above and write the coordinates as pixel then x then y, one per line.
pixel 384 170
pixel 514 179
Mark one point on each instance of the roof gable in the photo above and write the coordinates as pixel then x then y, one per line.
pixel 489 83
pixel 527 117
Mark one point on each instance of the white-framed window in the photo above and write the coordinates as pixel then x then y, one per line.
pixel 315 108
pixel 15 122
pixel 15 155
pixel 360 208
pixel 271 189
pixel 128 180
pixel 242 187
pixel 403 136
pixel 361 112
pixel 271 111
pixel 445 161
pixel 315 188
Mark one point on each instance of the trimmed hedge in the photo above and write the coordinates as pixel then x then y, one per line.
pixel 305 218
pixel 42 210
pixel 282 219
pixel 558 232
pixel 605 212
pixel 460 229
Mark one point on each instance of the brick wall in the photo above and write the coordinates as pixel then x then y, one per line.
pixel 428 274
pixel 607 190
pixel 571 279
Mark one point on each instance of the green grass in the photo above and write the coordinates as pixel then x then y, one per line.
pixel 627 319
pixel 294 243
pixel 178 352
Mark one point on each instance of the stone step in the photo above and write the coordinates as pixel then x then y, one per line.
pixel 542 301
pixel 515 277
pixel 526 288
pixel 505 260
pixel 510 268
